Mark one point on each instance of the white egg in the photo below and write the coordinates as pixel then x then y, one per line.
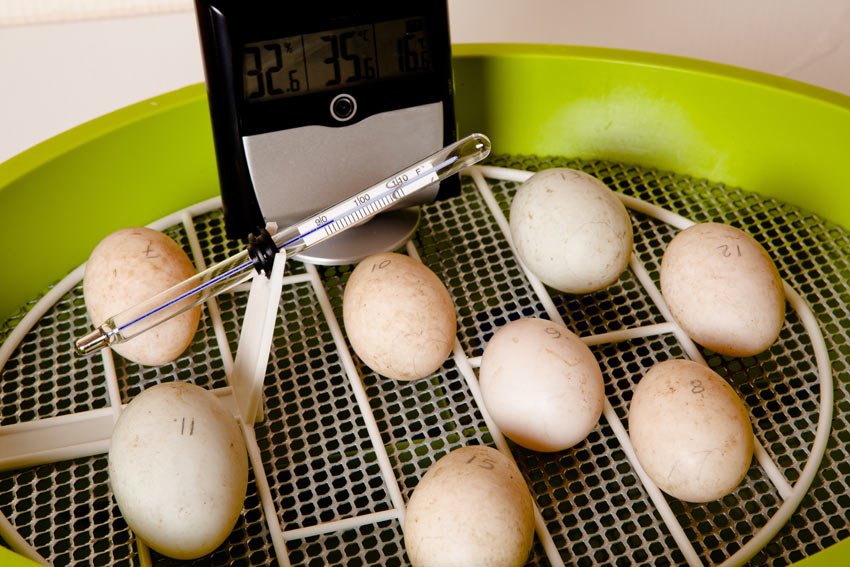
pixel 690 430
pixel 541 384
pixel 472 508
pixel 571 230
pixel 179 469
pixel 128 267
pixel 723 289
pixel 399 317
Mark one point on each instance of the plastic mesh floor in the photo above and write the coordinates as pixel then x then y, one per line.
pixel 332 499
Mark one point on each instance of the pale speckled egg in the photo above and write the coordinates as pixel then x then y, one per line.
pixel 178 468
pixel 690 430
pixel 541 384
pixel 128 267
pixel 399 316
pixel 723 289
pixel 570 230
pixel 472 507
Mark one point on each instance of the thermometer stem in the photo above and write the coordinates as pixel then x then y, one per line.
pixel 294 239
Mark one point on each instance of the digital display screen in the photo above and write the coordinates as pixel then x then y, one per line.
pixel 335 59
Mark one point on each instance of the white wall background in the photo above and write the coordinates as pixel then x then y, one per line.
pixel 64 62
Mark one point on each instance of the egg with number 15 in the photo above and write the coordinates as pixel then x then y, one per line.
pixel 472 507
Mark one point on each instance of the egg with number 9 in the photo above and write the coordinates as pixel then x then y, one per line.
pixel 541 384
pixel 472 507
pixel 178 467
pixel 723 289
pixel 690 430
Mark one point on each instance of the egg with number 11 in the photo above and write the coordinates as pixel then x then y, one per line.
pixel 178 467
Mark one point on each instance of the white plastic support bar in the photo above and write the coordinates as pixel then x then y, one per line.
pixel 255 340
pixel 356 383
pixel 661 505
pixel 792 495
pixel 266 500
pixel 351 523
pixel 462 363
pixel 17 543
pixel 818 448
pixel 764 460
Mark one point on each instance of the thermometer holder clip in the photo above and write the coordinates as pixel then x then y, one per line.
pixel 262 250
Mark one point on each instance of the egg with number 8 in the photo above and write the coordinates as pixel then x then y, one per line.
pixel 472 507
pixel 691 432
pixel 178 467
pixel 541 384
pixel 723 289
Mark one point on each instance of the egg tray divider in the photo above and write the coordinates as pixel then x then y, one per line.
pixel 318 502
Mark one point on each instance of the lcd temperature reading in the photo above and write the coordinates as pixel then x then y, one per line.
pixel 334 59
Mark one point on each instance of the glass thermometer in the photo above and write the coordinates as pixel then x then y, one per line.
pixel 294 239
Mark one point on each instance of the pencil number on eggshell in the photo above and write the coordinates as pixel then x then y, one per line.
pixel 485 463
pixel 697 387
pixel 381 265
pixel 555 333
pixel 187 426
pixel 727 253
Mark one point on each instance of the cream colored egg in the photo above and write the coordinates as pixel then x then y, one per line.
pixel 399 316
pixel 179 469
pixel 723 289
pixel 541 384
pixel 690 430
pixel 128 267
pixel 571 230
pixel 472 507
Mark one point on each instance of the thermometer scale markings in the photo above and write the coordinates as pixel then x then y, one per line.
pixel 340 217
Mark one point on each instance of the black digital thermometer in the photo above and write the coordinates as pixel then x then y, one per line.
pixel 312 101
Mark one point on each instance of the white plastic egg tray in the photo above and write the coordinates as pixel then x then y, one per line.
pixel 339 449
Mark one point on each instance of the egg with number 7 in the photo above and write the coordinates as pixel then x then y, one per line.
pixel 541 384
pixel 723 289
pixel 691 432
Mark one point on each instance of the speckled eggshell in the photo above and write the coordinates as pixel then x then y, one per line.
pixel 571 230
pixel 690 430
pixel 128 267
pixel 723 289
pixel 178 467
pixel 541 384
pixel 472 507
pixel 399 317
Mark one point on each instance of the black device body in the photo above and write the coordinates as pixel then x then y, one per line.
pixel 259 94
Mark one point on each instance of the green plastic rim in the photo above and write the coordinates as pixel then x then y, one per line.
pixel 770 135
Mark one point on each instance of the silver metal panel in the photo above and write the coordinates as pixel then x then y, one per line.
pixel 299 171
